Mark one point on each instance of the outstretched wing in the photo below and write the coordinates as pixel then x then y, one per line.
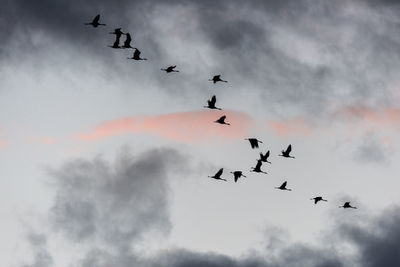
pixel 267 154
pixel 213 100
pixel 288 149
pixel 136 54
pixel 128 38
pixel 284 184
pixel 259 164
pixel 219 173
pixel 96 19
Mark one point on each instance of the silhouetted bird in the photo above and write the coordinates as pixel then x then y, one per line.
pixel 116 43
pixel 211 103
pixel 222 120
pixel 347 205
pixel 257 168
pixel 253 142
pixel 136 55
pixel 217 176
pixel 317 199
pixel 264 158
pixel 283 187
pixel 217 78
pixel 95 22
pixel 170 69
pixel 237 175
pixel 286 153
pixel 117 32
pixel 127 42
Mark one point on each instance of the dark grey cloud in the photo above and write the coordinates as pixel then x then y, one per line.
pixel 38 243
pixel 371 150
pixel 107 208
pixel 113 205
pixel 301 56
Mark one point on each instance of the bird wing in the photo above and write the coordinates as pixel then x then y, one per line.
pixel 259 164
pixel 346 204
pixel 289 148
pixel 173 67
pixel 116 43
pixel 216 77
pixel 284 184
pixel 223 118
pixel 316 200
pixel 213 100
pixel 136 53
pixel 96 19
pixel 267 154
pixel 219 173
pixel 128 38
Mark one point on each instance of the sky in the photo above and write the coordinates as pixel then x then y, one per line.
pixel 105 161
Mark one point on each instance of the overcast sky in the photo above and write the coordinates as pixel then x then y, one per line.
pixel 105 161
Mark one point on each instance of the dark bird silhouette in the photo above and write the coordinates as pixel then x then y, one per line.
pixel 217 176
pixel 95 22
pixel 264 158
pixel 117 32
pixel 222 120
pixel 116 43
pixel 257 168
pixel 317 199
pixel 217 78
pixel 170 69
pixel 211 103
pixel 283 187
pixel 347 205
pixel 136 55
pixel 286 153
pixel 237 175
pixel 127 42
pixel 253 142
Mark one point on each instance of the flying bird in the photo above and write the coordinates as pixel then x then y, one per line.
pixel 257 168
pixel 264 158
pixel 317 199
pixel 136 55
pixel 347 205
pixel 117 32
pixel 127 42
pixel 95 22
pixel 217 78
pixel 211 103
pixel 222 120
pixel 217 176
pixel 237 175
pixel 283 187
pixel 170 69
pixel 253 142
pixel 286 153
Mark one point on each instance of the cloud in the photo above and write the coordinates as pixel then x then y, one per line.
pixel 292 126
pixel 42 257
pixel 108 208
pixel 297 57
pixel 190 127
pixel 372 150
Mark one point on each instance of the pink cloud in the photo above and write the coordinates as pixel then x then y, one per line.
pixel 186 127
pixel 389 117
pixel 42 140
pixel 292 126
pixel 3 143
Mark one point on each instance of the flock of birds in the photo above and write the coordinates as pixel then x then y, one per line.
pixel 211 104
